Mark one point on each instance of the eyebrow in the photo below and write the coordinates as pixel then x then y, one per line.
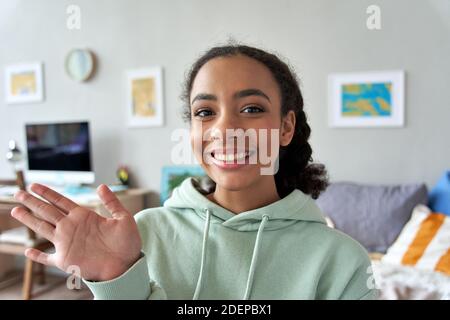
pixel 204 96
pixel 250 92
pixel 237 95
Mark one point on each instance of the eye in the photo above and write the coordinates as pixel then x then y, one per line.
pixel 202 113
pixel 252 109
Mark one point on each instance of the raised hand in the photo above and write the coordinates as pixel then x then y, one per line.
pixel 103 248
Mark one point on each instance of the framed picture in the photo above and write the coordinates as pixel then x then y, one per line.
pixel 366 99
pixel 173 176
pixel 145 105
pixel 24 83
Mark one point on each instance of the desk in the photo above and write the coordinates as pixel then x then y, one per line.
pixel 132 199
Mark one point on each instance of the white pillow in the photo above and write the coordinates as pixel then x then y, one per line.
pixel 424 242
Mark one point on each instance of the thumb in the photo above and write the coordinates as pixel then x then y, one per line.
pixel 111 202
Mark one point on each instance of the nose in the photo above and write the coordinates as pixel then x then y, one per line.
pixel 225 127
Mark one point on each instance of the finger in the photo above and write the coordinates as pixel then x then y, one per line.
pixel 38 256
pixel 58 200
pixel 41 208
pixel 111 202
pixel 39 226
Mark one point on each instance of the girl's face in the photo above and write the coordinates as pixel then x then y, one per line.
pixel 236 93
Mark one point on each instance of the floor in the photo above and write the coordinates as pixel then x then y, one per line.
pixel 55 288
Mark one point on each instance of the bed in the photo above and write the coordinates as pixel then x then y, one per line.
pixel 406 241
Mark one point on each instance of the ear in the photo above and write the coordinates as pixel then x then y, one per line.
pixel 287 128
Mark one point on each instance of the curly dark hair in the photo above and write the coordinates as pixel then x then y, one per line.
pixel 296 170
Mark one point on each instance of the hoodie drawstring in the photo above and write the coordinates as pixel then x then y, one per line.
pixel 253 262
pixel 198 288
pixel 255 257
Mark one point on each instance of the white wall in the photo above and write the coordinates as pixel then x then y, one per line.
pixel 318 37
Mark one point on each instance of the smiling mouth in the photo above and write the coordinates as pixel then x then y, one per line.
pixel 232 158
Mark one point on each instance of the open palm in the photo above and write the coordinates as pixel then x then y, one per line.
pixel 103 248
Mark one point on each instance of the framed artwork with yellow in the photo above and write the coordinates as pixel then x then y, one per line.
pixel 145 101
pixel 366 99
pixel 24 83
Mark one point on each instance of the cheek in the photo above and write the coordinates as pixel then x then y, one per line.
pixel 196 137
pixel 270 141
pixel 269 135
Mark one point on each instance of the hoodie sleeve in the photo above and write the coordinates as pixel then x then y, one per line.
pixel 134 284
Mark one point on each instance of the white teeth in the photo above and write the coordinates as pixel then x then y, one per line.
pixel 230 157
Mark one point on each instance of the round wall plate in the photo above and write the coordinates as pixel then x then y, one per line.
pixel 80 64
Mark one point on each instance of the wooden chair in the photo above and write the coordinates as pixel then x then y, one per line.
pixel 19 248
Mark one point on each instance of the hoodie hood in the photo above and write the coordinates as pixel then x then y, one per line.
pixel 295 207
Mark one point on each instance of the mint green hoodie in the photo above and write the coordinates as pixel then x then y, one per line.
pixel 195 249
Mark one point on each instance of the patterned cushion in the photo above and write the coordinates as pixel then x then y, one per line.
pixel 423 243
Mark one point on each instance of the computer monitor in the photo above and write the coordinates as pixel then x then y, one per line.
pixel 59 153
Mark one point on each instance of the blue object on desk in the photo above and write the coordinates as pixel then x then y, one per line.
pixel 117 187
pixel 83 190
pixel 76 190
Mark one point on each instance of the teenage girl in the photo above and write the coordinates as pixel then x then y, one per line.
pixel 253 236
